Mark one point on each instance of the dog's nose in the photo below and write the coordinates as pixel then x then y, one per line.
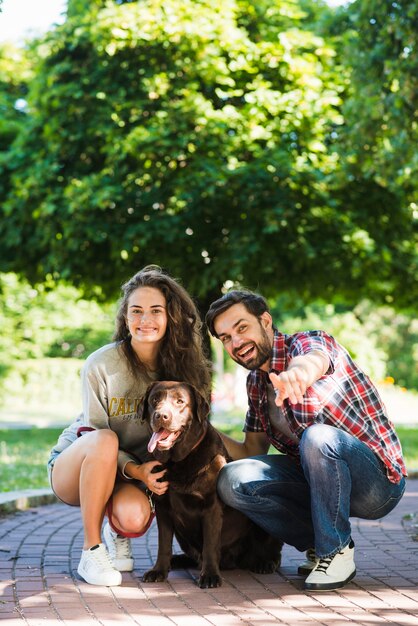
pixel 161 416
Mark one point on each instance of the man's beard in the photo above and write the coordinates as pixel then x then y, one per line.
pixel 262 352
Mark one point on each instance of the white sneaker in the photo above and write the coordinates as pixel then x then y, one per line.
pixel 333 572
pixel 96 568
pixel 307 566
pixel 119 548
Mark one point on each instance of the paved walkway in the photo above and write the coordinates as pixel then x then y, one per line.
pixel 40 548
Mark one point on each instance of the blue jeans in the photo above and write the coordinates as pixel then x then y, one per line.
pixel 309 504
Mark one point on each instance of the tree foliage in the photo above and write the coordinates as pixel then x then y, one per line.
pixel 38 323
pixel 381 111
pixel 378 141
pixel 202 136
pixel 14 77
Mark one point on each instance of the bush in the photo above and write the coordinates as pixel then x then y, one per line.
pixel 42 384
pixel 37 322
pixel 381 340
pixel 396 334
pixel 348 330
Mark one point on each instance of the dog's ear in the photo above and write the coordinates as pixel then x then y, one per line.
pixel 201 404
pixel 142 412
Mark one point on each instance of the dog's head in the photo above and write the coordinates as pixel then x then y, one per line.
pixel 177 414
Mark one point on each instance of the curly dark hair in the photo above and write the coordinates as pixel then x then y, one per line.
pixel 181 355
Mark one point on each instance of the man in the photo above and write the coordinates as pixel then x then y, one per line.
pixel 341 457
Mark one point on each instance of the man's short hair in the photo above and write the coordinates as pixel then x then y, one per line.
pixel 253 302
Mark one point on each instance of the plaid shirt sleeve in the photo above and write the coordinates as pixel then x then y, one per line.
pixel 318 341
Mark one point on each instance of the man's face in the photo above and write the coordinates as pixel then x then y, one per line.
pixel 247 338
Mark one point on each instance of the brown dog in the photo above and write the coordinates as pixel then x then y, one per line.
pixel 210 532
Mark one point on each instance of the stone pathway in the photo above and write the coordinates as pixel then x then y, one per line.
pixel 40 548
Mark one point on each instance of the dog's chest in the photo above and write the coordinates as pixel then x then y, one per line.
pixel 189 508
pixel 196 486
pixel 192 489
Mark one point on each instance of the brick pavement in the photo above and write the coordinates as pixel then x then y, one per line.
pixel 40 548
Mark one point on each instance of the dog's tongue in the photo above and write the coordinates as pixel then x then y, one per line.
pixel 152 444
pixel 161 434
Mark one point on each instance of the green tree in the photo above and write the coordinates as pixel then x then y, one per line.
pixel 201 136
pixel 381 110
pixel 15 75
pixel 377 144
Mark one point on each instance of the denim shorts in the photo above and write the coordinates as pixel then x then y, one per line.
pixel 49 467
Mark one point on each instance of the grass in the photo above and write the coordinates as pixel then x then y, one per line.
pixel 23 457
pixel 24 453
pixel 409 441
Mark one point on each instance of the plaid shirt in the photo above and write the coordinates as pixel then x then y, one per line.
pixel 344 397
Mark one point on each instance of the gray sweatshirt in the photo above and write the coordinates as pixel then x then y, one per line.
pixel 111 397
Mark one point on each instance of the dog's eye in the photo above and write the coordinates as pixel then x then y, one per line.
pixel 179 401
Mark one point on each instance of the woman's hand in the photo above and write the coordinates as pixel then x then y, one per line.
pixel 151 479
pixel 145 474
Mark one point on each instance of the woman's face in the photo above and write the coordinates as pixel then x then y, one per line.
pixel 146 315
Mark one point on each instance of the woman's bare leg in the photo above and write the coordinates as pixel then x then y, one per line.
pixel 84 474
pixel 131 508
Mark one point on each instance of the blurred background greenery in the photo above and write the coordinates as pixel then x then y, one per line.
pixel 47 334
pixel 270 144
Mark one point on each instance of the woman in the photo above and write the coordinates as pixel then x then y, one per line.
pixel 105 470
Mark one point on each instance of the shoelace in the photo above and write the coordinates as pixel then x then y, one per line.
pixel 122 547
pixel 103 559
pixel 324 564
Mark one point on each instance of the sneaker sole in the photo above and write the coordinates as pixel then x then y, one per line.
pixel 96 581
pixel 125 566
pixel 329 586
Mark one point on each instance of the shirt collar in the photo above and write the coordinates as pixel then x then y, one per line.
pixel 278 359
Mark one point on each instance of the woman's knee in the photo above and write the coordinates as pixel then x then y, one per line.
pixel 130 511
pixel 132 521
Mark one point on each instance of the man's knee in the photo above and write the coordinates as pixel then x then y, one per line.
pixel 319 439
pixel 236 478
pixel 224 484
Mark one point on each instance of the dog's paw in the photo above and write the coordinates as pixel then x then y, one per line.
pixel 154 576
pixel 209 581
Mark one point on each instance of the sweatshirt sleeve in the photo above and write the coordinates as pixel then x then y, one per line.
pixel 95 400
pixel 123 459
pixel 96 403
pixel 68 436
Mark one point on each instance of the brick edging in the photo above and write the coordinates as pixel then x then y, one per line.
pixel 12 501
